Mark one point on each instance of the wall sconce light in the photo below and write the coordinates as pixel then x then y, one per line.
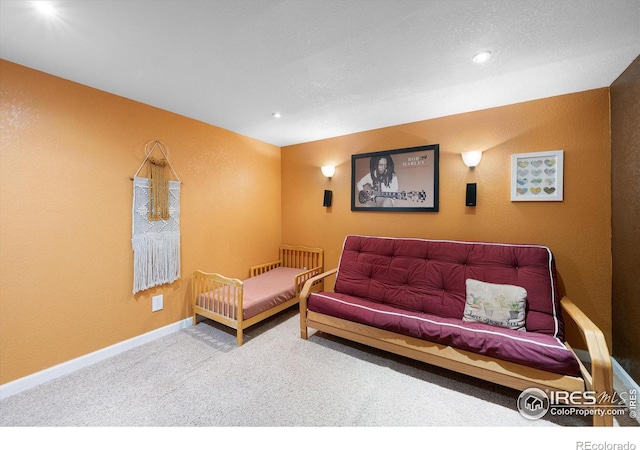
pixel 472 159
pixel 328 171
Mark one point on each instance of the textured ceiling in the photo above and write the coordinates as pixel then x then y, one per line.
pixel 330 67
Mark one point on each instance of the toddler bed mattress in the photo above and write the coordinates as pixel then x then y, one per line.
pixel 269 289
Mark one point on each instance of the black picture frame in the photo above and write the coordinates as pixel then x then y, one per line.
pixel 411 187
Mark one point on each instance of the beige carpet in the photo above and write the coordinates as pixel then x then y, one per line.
pixel 198 377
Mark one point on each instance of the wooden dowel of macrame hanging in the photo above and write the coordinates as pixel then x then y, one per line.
pixel 158 190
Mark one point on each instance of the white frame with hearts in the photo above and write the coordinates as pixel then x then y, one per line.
pixel 537 176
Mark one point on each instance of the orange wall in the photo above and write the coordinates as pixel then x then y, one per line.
pixel 66 265
pixel 67 152
pixel 578 230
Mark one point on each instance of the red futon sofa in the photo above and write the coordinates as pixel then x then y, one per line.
pixel 488 310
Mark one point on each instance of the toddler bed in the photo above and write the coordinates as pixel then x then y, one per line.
pixel 272 287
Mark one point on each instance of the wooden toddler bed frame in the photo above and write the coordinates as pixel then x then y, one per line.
pixel 271 288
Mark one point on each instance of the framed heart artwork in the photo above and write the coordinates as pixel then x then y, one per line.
pixel 537 176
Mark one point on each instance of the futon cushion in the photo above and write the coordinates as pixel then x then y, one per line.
pixel 428 276
pixel 536 350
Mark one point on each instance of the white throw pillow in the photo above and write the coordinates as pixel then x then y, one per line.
pixel 502 305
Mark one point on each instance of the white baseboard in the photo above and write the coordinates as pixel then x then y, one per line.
pixel 624 377
pixel 30 381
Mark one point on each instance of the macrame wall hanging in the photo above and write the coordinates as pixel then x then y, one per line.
pixel 156 222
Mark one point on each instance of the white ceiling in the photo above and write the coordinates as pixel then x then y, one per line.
pixel 330 67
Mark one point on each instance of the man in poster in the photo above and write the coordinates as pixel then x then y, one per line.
pixel 381 179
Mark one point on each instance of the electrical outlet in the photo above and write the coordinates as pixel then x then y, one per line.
pixel 157 303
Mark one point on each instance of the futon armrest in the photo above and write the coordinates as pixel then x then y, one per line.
pixel 306 289
pixel 309 286
pixel 601 377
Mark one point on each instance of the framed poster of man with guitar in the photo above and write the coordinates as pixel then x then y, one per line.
pixel 404 179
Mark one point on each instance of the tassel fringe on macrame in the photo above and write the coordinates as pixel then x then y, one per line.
pixel 156 259
pixel 158 189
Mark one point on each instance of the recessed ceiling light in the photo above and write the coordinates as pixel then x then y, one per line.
pixel 45 8
pixel 482 57
pixel 276 115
